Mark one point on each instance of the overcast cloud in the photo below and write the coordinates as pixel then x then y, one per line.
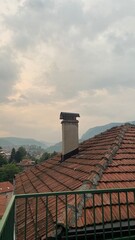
pixel 65 55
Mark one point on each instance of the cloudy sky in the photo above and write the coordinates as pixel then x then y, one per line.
pixel 65 55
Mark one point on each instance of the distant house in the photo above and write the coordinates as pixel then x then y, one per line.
pixel 106 161
pixel 6 188
pixel 26 163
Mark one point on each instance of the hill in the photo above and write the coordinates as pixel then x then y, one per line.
pixel 14 141
pixel 54 148
pixel 91 132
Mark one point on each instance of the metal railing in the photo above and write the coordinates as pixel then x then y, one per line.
pixel 93 214
pixel 7 221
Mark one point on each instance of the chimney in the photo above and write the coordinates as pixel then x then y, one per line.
pixel 69 134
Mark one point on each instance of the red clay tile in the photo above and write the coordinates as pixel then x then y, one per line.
pixel 105 161
pixel 6 187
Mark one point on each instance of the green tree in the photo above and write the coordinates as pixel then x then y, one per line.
pixel 3 160
pixel 46 156
pixel 22 150
pixel 53 154
pixel 8 171
pixel 18 157
pixel 12 157
pixel 20 154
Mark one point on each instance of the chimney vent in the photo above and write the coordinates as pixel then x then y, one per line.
pixel 69 134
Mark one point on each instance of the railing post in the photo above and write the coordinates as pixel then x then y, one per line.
pixel 7 223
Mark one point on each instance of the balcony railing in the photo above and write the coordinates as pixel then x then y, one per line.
pixel 93 214
pixel 7 222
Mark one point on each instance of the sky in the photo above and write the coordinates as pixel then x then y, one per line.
pixel 65 55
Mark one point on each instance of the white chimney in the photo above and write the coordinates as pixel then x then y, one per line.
pixel 70 141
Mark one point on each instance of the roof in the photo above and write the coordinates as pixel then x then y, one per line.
pixel 104 161
pixel 4 200
pixel 26 162
pixel 6 187
pixel 3 203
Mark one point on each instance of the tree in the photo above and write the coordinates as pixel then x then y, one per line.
pixel 18 157
pixel 3 160
pixel 8 171
pixel 20 154
pixel 53 154
pixel 23 152
pixel 44 157
pixel 12 157
pixel 47 155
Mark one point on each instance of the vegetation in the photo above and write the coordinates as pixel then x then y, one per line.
pixel 12 157
pixel 20 154
pixel 8 171
pixel 46 156
pixel 3 160
pixel 17 156
pixel 8 168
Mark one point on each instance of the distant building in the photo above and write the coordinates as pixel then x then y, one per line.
pixel 26 164
pixel 6 188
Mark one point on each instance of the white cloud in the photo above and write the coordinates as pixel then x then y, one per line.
pixel 65 55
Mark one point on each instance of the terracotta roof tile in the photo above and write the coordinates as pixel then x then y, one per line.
pixel 105 161
pixel 4 200
pixel 6 187
pixel 3 203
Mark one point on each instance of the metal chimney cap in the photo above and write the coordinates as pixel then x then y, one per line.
pixel 69 116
